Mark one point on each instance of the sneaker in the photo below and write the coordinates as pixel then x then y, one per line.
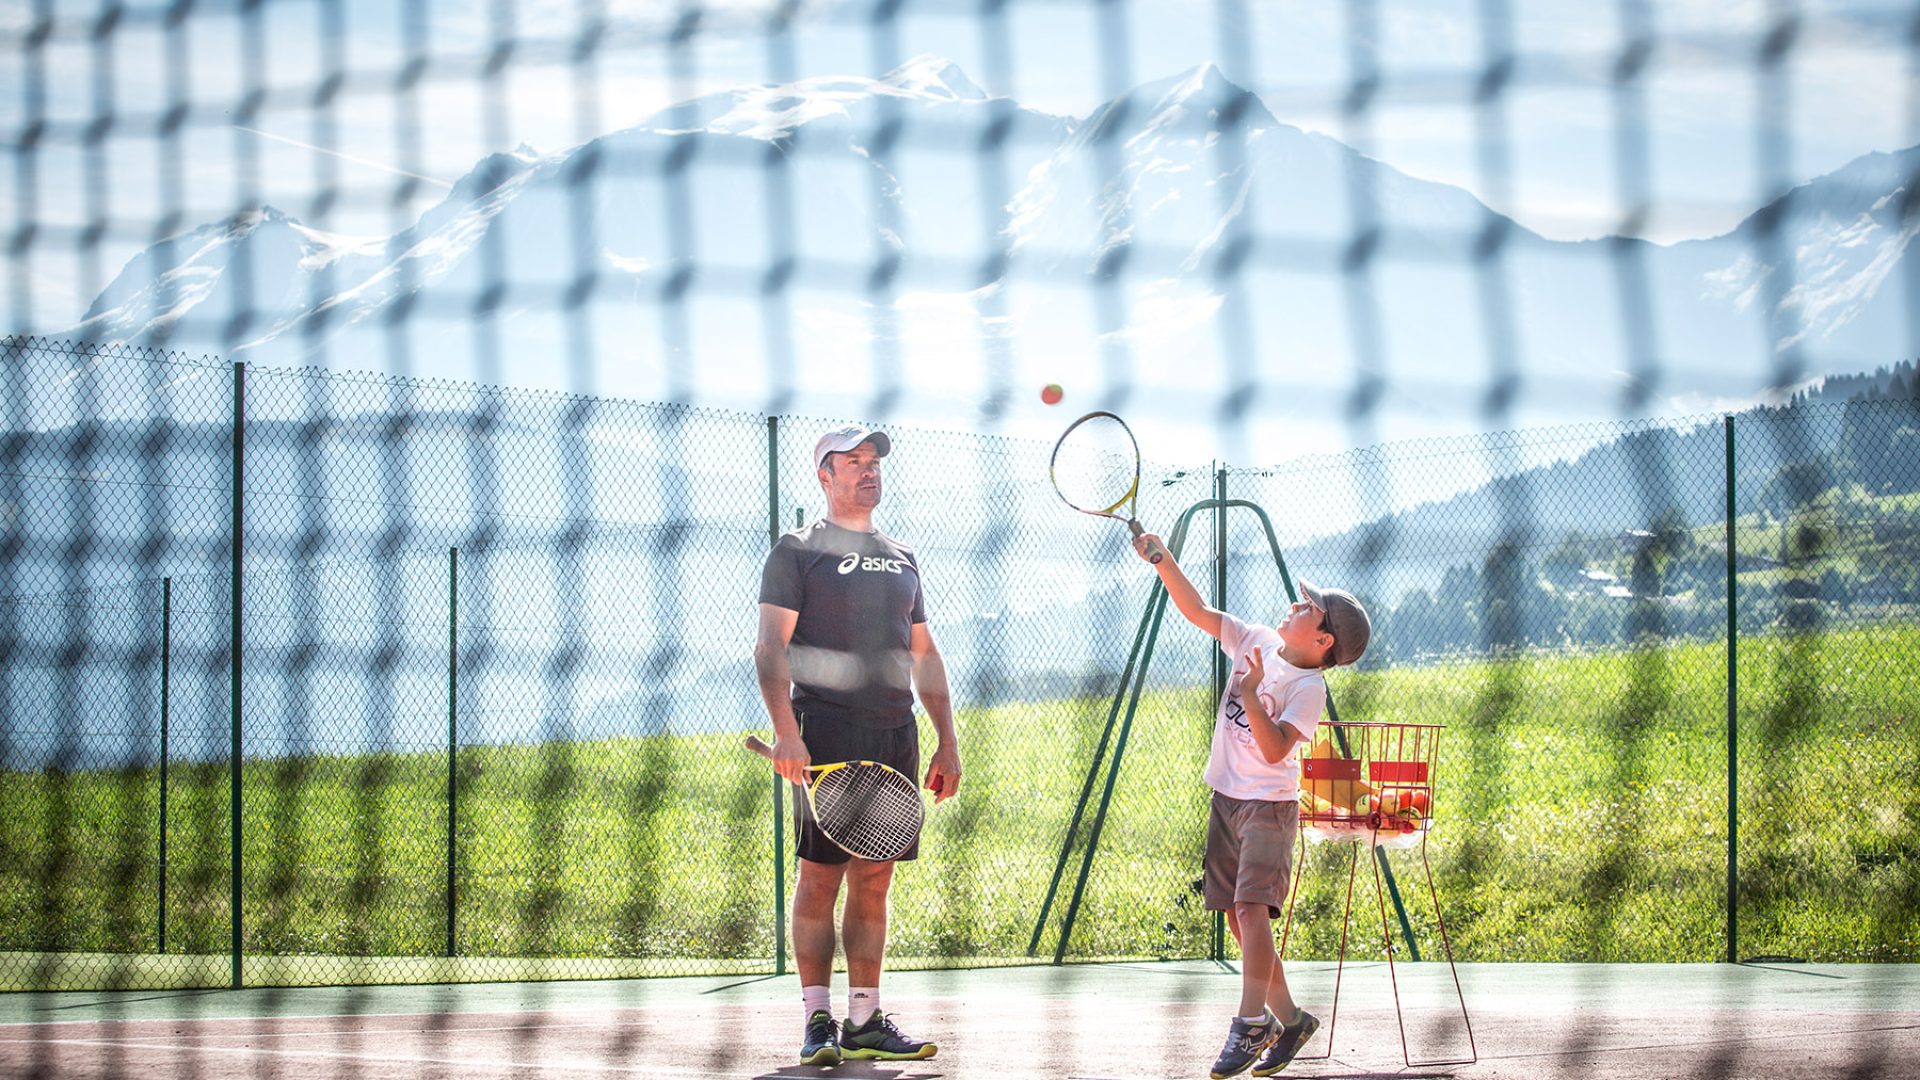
pixel 878 1038
pixel 822 1044
pixel 1244 1043
pixel 1292 1037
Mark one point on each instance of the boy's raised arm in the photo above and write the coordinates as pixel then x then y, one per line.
pixel 1179 589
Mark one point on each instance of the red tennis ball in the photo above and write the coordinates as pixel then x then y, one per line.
pixel 1051 393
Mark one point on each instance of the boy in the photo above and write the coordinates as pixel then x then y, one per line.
pixel 1271 705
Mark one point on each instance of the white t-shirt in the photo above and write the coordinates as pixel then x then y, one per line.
pixel 1291 695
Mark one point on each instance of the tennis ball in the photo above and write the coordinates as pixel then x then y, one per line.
pixel 1051 393
pixel 1420 799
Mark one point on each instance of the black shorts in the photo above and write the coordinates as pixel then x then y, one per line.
pixel 829 741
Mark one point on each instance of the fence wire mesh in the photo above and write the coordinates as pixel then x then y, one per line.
pixel 318 677
pixel 493 671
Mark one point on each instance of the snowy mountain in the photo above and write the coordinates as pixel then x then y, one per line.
pixel 877 245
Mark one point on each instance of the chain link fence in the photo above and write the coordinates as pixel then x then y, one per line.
pixel 493 667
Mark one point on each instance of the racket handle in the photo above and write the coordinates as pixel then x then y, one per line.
pixel 1153 550
pixel 755 744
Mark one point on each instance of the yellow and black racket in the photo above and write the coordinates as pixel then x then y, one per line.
pixel 868 808
pixel 1096 470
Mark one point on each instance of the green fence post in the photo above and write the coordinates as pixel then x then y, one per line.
pixel 453 733
pixel 1093 772
pixel 1217 944
pixel 234 668
pixel 166 675
pixel 1156 607
pixel 779 830
pixel 1733 716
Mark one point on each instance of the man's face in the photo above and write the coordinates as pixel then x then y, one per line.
pixel 853 478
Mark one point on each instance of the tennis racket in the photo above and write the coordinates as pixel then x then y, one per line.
pixel 871 810
pixel 1096 470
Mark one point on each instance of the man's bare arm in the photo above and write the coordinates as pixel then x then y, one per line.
pixel 930 683
pixel 790 758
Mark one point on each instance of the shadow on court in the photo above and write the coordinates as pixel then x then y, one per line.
pixel 1091 1022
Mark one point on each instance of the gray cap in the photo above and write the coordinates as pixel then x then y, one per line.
pixel 1346 620
pixel 842 439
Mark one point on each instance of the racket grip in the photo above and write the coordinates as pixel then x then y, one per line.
pixel 755 744
pixel 1153 550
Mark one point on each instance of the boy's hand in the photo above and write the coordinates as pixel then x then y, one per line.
pixel 1256 673
pixel 1147 545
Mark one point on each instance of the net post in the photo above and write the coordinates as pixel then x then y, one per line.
pixel 779 838
pixel 234 674
pixel 1217 933
pixel 453 736
pixel 166 676
pixel 1733 712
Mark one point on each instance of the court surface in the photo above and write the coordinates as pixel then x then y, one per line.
pixel 1093 1021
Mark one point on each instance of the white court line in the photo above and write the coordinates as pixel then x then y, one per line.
pixel 594 1010
pixel 339 1033
pixel 411 1059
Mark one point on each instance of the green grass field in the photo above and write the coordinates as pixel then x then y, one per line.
pixel 1580 814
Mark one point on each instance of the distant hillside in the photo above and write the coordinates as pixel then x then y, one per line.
pixel 1821 491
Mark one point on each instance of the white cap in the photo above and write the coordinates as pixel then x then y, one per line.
pixel 842 439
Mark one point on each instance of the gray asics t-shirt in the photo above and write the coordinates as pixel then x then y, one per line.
pixel 859 597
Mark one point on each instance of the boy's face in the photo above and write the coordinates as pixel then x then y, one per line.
pixel 1304 630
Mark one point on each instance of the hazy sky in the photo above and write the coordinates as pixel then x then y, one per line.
pixel 1579 118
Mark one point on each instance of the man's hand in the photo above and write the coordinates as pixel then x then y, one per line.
pixel 943 774
pixel 790 759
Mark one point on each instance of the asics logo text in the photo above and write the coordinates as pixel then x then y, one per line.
pixel 871 563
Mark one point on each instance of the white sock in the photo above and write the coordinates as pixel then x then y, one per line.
pixel 816 999
pixel 1261 1019
pixel 862 1003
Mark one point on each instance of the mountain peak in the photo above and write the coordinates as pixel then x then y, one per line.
pixel 1205 86
pixel 1873 183
pixel 493 170
pixel 935 76
pixel 265 214
pixel 1200 98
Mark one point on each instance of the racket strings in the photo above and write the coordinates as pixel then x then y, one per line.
pixel 1097 465
pixel 872 811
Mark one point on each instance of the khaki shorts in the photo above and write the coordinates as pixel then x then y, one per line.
pixel 1249 852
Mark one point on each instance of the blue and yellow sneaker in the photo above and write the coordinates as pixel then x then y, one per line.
pixel 1245 1041
pixel 1292 1037
pixel 822 1043
pixel 879 1039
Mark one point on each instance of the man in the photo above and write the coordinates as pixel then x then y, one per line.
pixel 843 645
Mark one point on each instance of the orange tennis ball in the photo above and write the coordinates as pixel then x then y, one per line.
pixel 1051 393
